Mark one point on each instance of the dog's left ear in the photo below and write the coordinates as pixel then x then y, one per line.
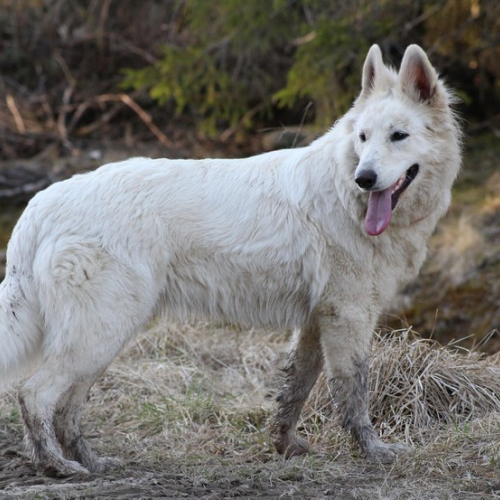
pixel 417 77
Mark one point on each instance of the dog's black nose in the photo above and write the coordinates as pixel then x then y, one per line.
pixel 366 179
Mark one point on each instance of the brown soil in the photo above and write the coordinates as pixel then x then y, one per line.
pixel 213 478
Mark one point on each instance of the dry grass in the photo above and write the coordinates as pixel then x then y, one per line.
pixel 197 400
pixel 418 384
pixel 203 389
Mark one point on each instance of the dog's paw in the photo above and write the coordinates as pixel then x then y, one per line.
pixel 290 445
pixel 63 468
pixel 385 452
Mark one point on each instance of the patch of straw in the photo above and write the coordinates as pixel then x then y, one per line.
pixel 416 385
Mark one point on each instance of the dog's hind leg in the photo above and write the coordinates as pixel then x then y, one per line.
pixel 346 347
pixel 52 399
pixel 67 423
pixel 92 304
pixel 38 397
pixel 304 365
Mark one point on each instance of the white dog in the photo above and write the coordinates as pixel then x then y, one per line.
pixel 317 239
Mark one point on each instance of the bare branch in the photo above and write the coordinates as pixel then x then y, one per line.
pixel 143 115
pixel 18 119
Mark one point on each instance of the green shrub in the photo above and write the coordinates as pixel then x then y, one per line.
pixel 231 61
pixel 229 58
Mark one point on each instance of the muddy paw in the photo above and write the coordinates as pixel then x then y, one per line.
pixel 385 452
pixel 291 445
pixel 63 468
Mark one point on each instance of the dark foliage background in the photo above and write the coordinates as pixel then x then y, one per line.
pixel 71 69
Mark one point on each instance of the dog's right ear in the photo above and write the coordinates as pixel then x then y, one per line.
pixel 373 69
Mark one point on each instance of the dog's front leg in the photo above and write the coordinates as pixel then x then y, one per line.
pixel 304 365
pixel 346 348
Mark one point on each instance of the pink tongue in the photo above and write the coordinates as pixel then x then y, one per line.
pixel 379 211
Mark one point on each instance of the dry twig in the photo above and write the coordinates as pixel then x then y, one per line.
pixel 126 99
pixel 18 119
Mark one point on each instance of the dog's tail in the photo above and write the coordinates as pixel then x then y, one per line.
pixel 20 333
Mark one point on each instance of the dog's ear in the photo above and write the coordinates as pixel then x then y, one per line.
pixel 417 77
pixel 373 69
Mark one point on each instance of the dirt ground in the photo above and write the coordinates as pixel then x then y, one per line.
pixel 215 478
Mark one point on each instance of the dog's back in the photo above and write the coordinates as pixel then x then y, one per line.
pixel 222 239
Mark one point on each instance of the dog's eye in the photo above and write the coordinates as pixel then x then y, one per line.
pixel 362 137
pixel 399 136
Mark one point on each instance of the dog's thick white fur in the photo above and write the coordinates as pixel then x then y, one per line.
pixel 305 238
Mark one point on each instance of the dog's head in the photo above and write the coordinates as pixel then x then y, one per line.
pixel 405 137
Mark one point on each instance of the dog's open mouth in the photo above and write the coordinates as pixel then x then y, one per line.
pixel 402 184
pixel 382 203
